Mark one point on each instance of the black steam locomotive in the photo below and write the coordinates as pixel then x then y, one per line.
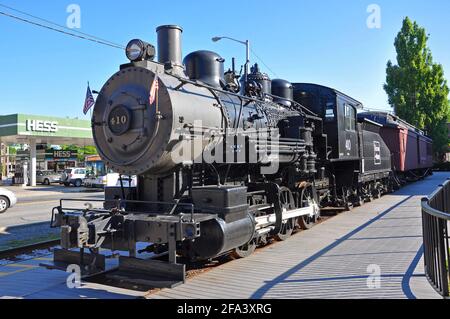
pixel 223 163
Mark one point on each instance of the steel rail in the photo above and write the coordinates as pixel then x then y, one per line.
pixel 13 252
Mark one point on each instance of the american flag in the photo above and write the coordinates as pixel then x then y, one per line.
pixel 89 102
pixel 154 90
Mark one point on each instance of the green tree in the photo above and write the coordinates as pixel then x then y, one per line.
pixel 416 86
pixel 12 150
pixel 85 151
pixel 82 151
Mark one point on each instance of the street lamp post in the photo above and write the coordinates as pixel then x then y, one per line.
pixel 247 55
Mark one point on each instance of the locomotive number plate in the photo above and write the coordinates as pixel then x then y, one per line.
pixel 119 120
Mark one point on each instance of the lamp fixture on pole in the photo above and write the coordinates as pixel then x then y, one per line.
pixel 247 55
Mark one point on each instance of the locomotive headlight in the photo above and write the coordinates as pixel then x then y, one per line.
pixel 134 50
pixel 138 50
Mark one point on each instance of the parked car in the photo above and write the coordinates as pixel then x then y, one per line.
pixel 73 176
pixel 113 180
pixel 7 200
pixel 94 181
pixel 47 177
pixel 109 180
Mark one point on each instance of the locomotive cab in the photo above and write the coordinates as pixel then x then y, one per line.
pixel 339 113
pixel 359 161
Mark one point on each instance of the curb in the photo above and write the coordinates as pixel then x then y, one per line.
pixel 30 192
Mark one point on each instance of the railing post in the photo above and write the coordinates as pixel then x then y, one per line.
pixel 443 273
pixel 446 197
pixel 425 234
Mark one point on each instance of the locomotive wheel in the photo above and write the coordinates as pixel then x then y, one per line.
pixel 287 198
pixel 346 199
pixel 287 203
pixel 307 222
pixel 348 206
pixel 369 196
pixel 377 194
pixel 360 201
pixel 244 251
pixel 286 230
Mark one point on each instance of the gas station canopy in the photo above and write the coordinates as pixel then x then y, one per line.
pixel 37 129
pixel 20 128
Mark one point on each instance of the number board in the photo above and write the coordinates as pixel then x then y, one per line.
pixel 119 120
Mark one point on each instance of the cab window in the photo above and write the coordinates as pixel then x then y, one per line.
pixel 330 115
pixel 350 118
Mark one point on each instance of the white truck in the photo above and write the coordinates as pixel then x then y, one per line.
pixel 109 180
pixel 73 176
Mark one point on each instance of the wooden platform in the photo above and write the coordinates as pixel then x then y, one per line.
pixel 339 258
pixel 336 259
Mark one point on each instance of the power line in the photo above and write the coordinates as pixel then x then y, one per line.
pixel 84 37
pixel 254 53
pixel 79 34
pixel 58 25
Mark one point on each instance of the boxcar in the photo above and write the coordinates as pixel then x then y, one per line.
pixel 411 150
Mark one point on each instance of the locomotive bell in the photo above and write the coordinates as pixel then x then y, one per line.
pixel 261 79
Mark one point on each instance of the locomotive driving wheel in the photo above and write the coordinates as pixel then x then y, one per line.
pixel 244 251
pixel 308 198
pixel 287 203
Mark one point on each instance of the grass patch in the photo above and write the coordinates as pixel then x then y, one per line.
pixel 29 241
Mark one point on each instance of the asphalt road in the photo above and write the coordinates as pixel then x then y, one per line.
pixel 34 209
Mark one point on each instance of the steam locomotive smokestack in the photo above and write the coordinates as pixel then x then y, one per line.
pixel 169 45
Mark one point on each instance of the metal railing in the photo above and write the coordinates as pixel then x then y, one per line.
pixel 435 218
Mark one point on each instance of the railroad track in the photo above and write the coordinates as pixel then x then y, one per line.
pixel 193 269
pixel 26 249
pixel 14 252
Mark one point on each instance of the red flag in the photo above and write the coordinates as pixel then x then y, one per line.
pixel 154 90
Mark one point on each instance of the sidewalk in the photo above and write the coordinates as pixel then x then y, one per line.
pixel 371 252
pixel 332 260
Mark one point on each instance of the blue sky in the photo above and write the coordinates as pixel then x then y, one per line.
pixel 325 41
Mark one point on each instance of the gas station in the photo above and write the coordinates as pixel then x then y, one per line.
pixel 38 131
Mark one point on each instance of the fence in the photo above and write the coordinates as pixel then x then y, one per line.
pixel 435 215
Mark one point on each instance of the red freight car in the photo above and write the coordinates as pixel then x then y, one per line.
pixel 411 149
